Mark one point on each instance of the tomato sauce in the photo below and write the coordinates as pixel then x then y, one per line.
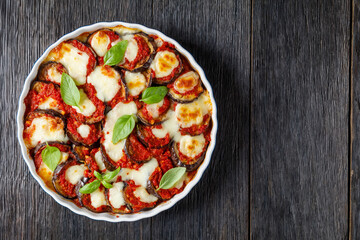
pixel 134 201
pixel 66 186
pixel 94 134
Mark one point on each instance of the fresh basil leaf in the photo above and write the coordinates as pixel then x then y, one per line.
pixel 90 187
pixel 106 184
pixel 110 175
pixel 51 156
pixel 98 175
pixel 154 94
pixel 69 92
pixel 123 127
pixel 171 177
pixel 116 53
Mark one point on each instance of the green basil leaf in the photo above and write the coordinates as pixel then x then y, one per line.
pixel 90 187
pixel 123 127
pixel 171 177
pixel 116 53
pixel 69 92
pixel 110 175
pixel 154 94
pixel 98 175
pixel 51 156
pixel 106 184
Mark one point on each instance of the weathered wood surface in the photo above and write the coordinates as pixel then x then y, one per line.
pixel 218 36
pixel 285 83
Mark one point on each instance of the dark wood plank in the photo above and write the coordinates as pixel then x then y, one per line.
pixel 218 36
pixel 300 116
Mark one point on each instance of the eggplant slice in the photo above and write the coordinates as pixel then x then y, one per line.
pixel 101 41
pixel 136 82
pixel 146 136
pixel 136 151
pixel 145 50
pixel 138 198
pixel 96 198
pixel 186 88
pixel 43 126
pixel 51 71
pixel 153 114
pixel 83 134
pixel 115 198
pixel 66 177
pixel 196 147
pixel 166 66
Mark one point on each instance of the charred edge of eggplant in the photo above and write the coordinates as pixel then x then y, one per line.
pixel 80 196
pixel 117 210
pixel 128 152
pixel 41 145
pixel 106 159
pixel 77 142
pixel 123 82
pixel 141 136
pixel 173 97
pixel 79 156
pixel 176 75
pixel 56 175
pixel 42 71
pixel 177 162
pixel 151 189
pixel 35 81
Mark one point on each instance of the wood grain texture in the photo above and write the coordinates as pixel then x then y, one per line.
pixel 300 120
pixel 217 34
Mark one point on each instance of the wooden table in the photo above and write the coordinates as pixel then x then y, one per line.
pixel 286 79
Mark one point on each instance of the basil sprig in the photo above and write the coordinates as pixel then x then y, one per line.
pixel 171 177
pixel 101 179
pixel 123 127
pixel 116 53
pixel 154 94
pixel 51 156
pixel 69 92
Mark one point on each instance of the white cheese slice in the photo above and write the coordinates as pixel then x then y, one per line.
pixel 97 198
pixel 49 103
pixel 140 176
pixel 116 197
pixel 54 75
pixel 164 63
pixel 74 60
pixel 100 42
pixel 86 105
pixel 159 132
pixel 99 160
pixel 153 109
pixel 191 146
pixel 83 130
pixel 135 82
pixel 144 196
pixel 132 48
pixel 106 82
pixel 74 173
pixel 45 129
pixel 186 82
pixel 115 151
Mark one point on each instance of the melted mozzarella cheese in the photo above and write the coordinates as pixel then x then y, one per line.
pixel 153 109
pixel 164 63
pixel 116 197
pixel 99 160
pixel 132 48
pixel 74 60
pixel 86 105
pixel 45 129
pixel 106 82
pixel 159 132
pixel 115 151
pixel 135 82
pixel 100 42
pixel 193 113
pixel 191 146
pixel 121 30
pixel 171 125
pixel 186 82
pixel 97 198
pixel 144 196
pixel 140 176
pixel 54 75
pixel 46 174
pixel 83 130
pixel 74 173
pixel 49 103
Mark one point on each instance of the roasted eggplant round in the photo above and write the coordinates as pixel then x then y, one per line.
pixel 95 201
pixel 102 40
pixel 136 151
pixel 83 134
pixel 151 114
pixel 138 198
pixel 115 198
pixel 51 71
pixel 152 136
pixel 186 88
pixel 66 176
pixel 136 82
pixel 139 52
pixel 189 152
